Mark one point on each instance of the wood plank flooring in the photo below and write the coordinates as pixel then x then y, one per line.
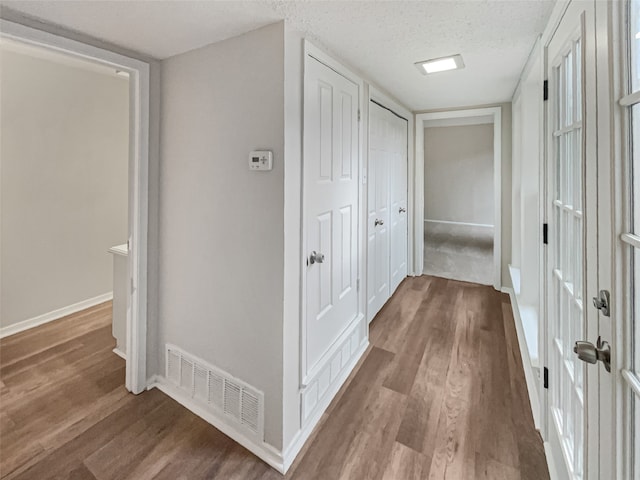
pixel 439 394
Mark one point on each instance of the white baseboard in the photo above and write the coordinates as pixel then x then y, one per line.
pixel 120 353
pixel 264 451
pixel 54 315
pixel 292 451
pixel 462 224
pixel 278 460
pixel 529 374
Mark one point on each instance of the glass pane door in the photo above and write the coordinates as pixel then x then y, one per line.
pixel 566 253
pixel 631 246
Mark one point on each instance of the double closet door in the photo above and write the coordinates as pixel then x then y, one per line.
pixel 387 235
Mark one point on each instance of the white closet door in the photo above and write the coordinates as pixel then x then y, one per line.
pixel 377 212
pixel 398 201
pixel 330 208
pixel 387 207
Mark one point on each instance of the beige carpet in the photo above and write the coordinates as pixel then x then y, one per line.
pixel 459 252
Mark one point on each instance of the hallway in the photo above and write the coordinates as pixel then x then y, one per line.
pixel 439 394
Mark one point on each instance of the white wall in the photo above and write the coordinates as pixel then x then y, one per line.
pixel 294 64
pixel 64 160
pixel 458 171
pixel 221 225
pixel 527 134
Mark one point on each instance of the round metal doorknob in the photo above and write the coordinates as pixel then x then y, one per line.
pixel 316 257
pixel 586 351
pixel 378 222
pixel 590 353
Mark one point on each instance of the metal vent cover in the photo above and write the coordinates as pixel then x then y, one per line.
pixel 218 391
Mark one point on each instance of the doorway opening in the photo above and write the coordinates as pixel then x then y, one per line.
pixel 135 150
pixel 458 163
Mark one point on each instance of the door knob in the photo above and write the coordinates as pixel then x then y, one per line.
pixel 378 222
pixel 402 210
pixel 590 353
pixel 316 257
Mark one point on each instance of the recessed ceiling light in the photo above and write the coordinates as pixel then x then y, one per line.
pixel 442 64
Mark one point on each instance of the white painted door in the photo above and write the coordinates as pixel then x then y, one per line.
pixel 387 234
pixel 626 298
pixel 398 200
pixel 378 290
pixel 331 208
pixel 572 255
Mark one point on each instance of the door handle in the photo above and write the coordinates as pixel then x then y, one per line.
pixel 316 257
pixel 402 210
pixel 378 222
pixel 602 302
pixel 590 353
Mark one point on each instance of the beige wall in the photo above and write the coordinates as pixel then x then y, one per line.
pixel 458 174
pixel 222 225
pixel 64 160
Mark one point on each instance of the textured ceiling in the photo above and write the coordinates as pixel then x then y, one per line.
pixel 382 39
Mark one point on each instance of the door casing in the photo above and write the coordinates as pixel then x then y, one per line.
pixel 418 171
pixel 136 362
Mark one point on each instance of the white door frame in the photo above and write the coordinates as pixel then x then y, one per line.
pixel 136 363
pixel 418 171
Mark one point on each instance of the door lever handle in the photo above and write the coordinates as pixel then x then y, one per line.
pixel 402 210
pixel 590 353
pixel 378 222
pixel 602 302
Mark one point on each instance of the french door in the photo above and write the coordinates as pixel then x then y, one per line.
pixel 572 252
pixel 628 242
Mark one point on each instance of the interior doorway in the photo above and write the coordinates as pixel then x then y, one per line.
pixel 137 188
pixel 458 159
pixel 458 199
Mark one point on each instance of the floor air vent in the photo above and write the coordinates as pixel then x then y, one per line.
pixel 224 395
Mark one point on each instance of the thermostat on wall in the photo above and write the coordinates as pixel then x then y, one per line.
pixel 261 160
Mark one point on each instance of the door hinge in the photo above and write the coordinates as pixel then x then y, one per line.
pixel 545 233
pixel 358 114
pixel 546 377
pixel 357 285
pixel 545 90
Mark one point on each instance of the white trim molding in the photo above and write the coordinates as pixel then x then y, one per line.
pixel 531 379
pixel 54 315
pixel 462 224
pixel 421 120
pixel 135 380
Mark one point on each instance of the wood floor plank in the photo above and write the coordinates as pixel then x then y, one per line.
pixel 451 457
pixel 430 313
pixel 330 449
pixel 389 331
pixel 439 394
pixel 406 463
